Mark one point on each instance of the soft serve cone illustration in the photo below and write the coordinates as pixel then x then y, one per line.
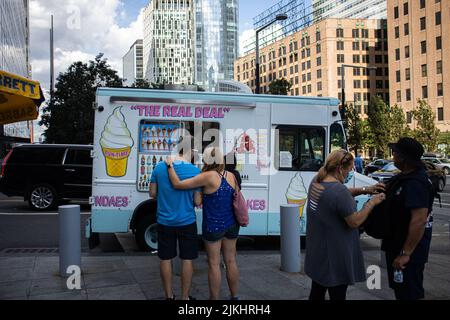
pixel 116 144
pixel 296 193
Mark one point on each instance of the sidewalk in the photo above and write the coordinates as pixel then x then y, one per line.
pixel 137 278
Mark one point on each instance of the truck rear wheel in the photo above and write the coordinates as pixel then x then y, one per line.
pixel 146 233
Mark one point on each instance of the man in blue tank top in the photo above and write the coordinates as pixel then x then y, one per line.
pixel 176 220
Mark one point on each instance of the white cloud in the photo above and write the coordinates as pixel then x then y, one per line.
pixel 83 28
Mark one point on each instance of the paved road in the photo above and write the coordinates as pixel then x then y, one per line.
pixel 21 227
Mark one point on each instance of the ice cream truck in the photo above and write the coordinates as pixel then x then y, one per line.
pixel 280 143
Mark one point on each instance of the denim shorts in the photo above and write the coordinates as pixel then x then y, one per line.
pixel 231 233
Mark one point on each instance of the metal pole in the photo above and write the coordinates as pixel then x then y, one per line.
pixel 290 238
pixel 342 89
pixel 69 238
pixel 257 89
pixel 52 62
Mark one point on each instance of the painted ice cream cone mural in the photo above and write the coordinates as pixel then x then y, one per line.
pixel 297 194
pixel 116 143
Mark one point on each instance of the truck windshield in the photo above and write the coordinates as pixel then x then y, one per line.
pixel 337 137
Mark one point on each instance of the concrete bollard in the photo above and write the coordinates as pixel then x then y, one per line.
pixel 69 238
pixel 290 238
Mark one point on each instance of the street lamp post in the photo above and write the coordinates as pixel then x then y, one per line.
pixel 279 17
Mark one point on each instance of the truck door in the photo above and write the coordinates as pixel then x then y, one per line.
pixel 299 154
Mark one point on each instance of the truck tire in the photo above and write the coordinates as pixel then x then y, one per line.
pixel 42 197
pixel 146 233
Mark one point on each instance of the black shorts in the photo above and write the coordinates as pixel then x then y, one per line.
pixel 231 233
pixel 187 238
pixel 412 286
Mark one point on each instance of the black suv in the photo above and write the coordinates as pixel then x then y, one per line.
pixel 44 174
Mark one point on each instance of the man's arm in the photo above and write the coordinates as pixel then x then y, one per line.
pixel 415 233
pixel 153 190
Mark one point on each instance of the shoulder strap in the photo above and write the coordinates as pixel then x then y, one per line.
pixel 236 183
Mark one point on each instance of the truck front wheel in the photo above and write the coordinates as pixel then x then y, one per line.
pixel 146 233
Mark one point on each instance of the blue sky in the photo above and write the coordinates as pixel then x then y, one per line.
pixel 248 9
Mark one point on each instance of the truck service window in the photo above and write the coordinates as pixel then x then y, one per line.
pixel 299 148
pixel 157 141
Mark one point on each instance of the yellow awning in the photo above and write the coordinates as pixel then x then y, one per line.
pixel 20 98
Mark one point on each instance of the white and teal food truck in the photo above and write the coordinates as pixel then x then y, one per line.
pixel 280 143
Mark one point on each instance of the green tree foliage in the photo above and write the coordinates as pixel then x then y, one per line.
pixel 397 124
pixel 142 84
pixel 69 116
pixel 426 132
pixel 378 122
pixel 354 127
pixel 280 87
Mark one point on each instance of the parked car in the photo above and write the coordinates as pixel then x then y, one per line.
pixel 436 175
pixel 46 174
pixel 442 163
pixel 375 166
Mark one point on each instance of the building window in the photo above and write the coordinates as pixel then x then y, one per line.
pixel 319 74
pixel 365 33
pixel 439 67
pixel 309 88
pixel 378 58
pixel 357 84
pixel 424 70
pixel 339 84
pixel 423 47
pixel 319 86
pixel 399 96
pixel 339 71
pixel 425 92
pixel 397 54
pixel 366 58
pixel 319 61
pixel 317 35
pixel 365 45
pixel 357 97
pixel 308 76
pixel 422 4
pixel 356 58
pixel 409 117
pixel 339 33
pixel 407 74
pixel 397 32
pixel 406 29
pixel 378 33
pixel 355 33
pixel 405 8
pixel 304 89
pixel 318 48
pixel 406 52
pixel 397 75
pixel 408 94
pixel 355 45
pixel 379 84
pixel 303 77
pixel 437 16
pixel 356 71
pixel 440 114
pixel 423 23
pixel 340 45
pixel 440 89
pixel 340 58
pixel 438 43
pixel 395 12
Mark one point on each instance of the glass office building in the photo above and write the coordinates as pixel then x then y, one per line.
pixel 14 58
pixel 216 41
pixel 14 37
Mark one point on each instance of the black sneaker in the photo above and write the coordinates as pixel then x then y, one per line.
pixel 169 299
pixel 192 298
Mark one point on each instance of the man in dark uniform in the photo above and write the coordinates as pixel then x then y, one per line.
pixel 408 241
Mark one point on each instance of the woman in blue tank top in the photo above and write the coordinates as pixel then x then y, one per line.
pixel 219 228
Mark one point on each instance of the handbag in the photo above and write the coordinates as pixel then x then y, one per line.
pixel 240 206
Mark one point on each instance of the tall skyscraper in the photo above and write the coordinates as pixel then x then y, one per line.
pixel 216 41
pixel 14 58
pixel 133 63
pixel 419 43
pixel 169 42
pixel 303 13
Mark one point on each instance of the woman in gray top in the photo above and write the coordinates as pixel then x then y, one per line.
pixel 334 259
